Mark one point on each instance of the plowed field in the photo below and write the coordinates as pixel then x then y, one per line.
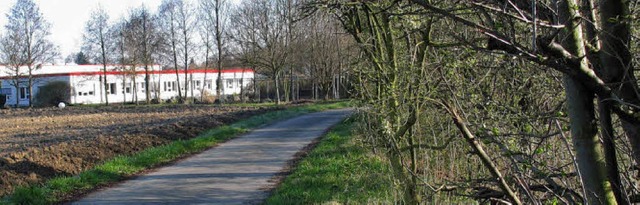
pixel 36 144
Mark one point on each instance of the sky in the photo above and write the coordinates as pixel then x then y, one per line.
pixel 68 17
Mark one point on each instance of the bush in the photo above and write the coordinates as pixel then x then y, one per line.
pixel 53 93
pixel 3 100
pixel 208 98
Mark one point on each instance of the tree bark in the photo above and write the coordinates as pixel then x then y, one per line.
pixel 617 69
pixel 484 157
pixel 580 105
pixel 277 86
pixel 218 34
pixel 104 69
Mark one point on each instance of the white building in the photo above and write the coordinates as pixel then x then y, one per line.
pixel 86 87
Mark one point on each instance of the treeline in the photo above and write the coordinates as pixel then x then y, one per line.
pixel 275 38
pixel 504 102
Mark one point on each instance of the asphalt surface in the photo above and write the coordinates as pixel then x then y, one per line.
pixel 236 172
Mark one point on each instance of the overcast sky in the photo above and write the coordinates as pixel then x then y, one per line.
pixel 68 17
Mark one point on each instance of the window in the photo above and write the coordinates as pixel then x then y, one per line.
pixel 24 93
pixel 127 87
pixel 90 92
pixel 169 86
pixel 79 93
pixel 230 83
pixel 197 83
pixel 111 89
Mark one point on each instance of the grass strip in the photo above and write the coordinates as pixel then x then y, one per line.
pixel 338 171
pixel 59 189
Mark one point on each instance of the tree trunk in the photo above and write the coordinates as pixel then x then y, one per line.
pixel 277 86
pixel 314 90
pixel 103 89
pixel 285 89
pixel 616 63
pixel 186 85
pixel 410 195
pixel 124 81
pixel 134 89
pixel 192 87
pixel 242 86
pixel 30 87
pixel 104 69
pixel 147 78
pixel 17 85
pixel 206 67
pixel 218 33
pixel 580 105
pixel 292 88
pixel 175 59
pixel 255 87
pixel 219 91
pixel 479 151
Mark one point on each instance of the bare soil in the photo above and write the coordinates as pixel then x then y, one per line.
pixel 38 144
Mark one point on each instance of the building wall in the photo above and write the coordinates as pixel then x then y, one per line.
pixel 88 89
pixel 22 93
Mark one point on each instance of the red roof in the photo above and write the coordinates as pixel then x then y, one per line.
pixel 180 71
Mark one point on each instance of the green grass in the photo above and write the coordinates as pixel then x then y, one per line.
pixel 61 188
pixel 338 170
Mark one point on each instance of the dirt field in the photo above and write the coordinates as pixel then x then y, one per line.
pixel 37 144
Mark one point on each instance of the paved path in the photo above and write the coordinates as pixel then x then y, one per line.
pixel 236 172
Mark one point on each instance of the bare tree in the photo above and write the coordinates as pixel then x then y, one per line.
pixel 186 26
pixel 178 19
pixel 96 45
pixel 214 12
pixel 206 36
pixel 10 56
pixel 262 27
pixel 144 41
pixel 168 19
pixel 120 35
pixel 321 51
pixel 27 25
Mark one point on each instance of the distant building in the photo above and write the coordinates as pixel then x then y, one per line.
pixel 123 86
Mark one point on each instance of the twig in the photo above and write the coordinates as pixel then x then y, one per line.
pixel 573 158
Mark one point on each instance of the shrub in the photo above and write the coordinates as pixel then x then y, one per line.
pixel 3 100
pixel 53 93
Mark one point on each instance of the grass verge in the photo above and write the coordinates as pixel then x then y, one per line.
pixel 61 189
pixel 338 171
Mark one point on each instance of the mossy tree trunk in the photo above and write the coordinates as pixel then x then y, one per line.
pixel 589 152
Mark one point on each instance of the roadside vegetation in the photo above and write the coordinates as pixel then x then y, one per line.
pixel 344 168
pixel 339 169
pixel 64 188
pixel 503 102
